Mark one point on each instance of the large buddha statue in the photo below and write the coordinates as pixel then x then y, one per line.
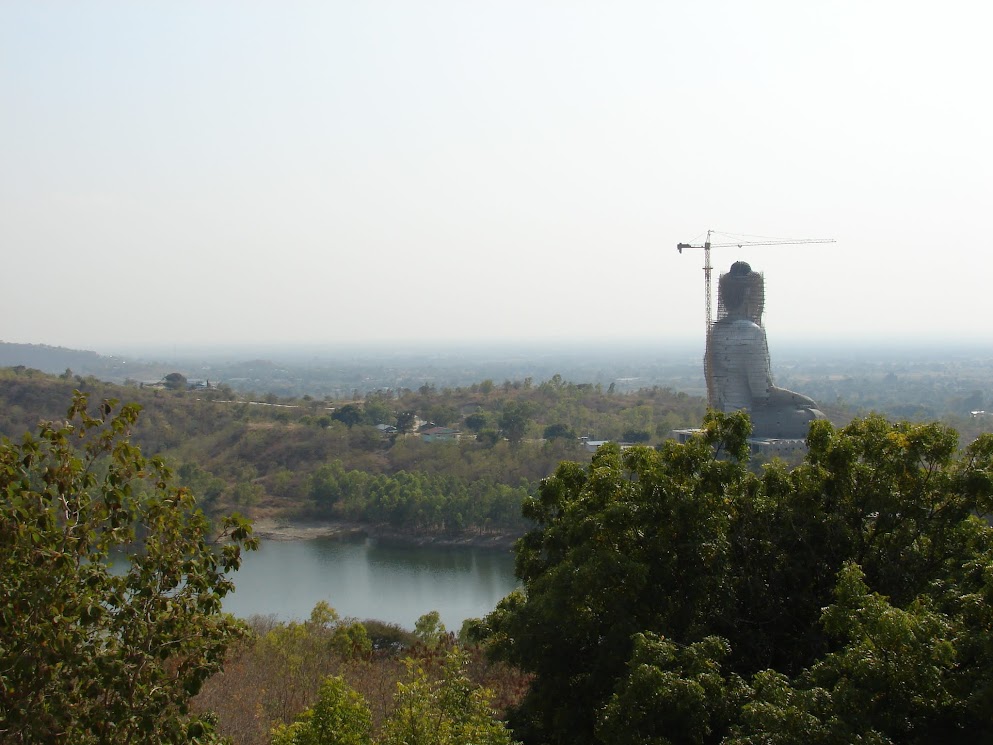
pixel 737 361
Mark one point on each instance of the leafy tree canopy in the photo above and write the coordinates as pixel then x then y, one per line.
pixel 515 419
pixel 559 430
pixel 451 711
pixel 674 596
pixel 476 422
pixel 349 414
pixel 405 421
pixel 94 654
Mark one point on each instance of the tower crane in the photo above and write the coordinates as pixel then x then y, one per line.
pixel 707 267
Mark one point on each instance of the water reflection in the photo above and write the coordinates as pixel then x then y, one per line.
pixel 362 578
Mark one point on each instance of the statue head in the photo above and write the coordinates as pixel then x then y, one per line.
pixel 741 293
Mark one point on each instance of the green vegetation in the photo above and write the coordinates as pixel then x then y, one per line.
pixel 673 595
pixel 448 711
pixel 415 500
pixel 91 653
pixel 88 654
pixel 340 717
pixel 323 460
pixel 334 680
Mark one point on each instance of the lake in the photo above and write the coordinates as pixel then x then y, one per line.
pixel 365 579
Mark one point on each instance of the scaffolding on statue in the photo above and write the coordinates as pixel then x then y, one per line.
pixel 737 365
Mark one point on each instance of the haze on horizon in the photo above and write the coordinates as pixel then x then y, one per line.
pixel 237 173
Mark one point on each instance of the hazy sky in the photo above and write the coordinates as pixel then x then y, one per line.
pixel 236 172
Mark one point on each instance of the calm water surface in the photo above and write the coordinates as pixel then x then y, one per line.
pixel 365 579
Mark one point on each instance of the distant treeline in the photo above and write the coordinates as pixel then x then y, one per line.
pixel 328 459
pixel 424 502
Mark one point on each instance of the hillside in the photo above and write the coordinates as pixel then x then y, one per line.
pixel 325 460
pixel 340 460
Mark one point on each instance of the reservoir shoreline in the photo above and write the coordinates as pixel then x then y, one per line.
pixel 286 529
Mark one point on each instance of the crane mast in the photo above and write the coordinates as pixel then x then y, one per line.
pixel 707 269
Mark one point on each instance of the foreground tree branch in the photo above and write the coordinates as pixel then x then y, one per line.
pixel 111 582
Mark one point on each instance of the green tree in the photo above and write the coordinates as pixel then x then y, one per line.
pixel 91 652
pixel 674 595
pixel 560 431
pixel 452 711
pixel 441 414
pixel 690 697
pixel 489 437
pixel 515 419
pixel 298 656
pixel 340 717
pixel 326 484
pixel 201 482
pixel 429 629
pixel 349 415
pixel 892 678
pixel 476 422
pixel 377 409
pixel 405 421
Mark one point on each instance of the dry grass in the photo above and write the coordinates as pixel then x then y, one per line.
pixel 275 675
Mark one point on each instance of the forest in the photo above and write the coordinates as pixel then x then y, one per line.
pixel 669 595
pixel 670 592
pixel 327 460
